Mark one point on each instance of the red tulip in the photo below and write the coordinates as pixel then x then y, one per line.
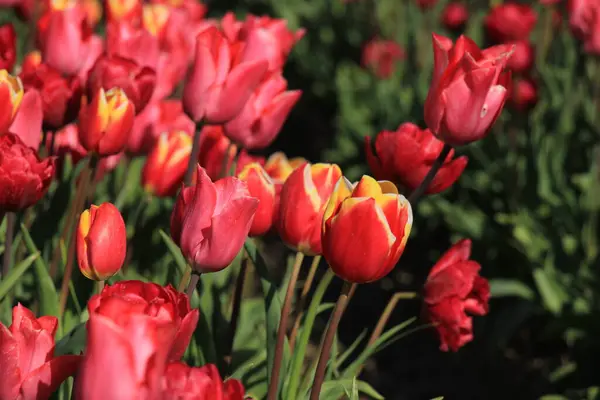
pixel 183 382
pixel 381 56
pixel 31 61
pixel 467 91
pixel 11 95
pixel 365 229
pixel 455 16
pixel 105 123
pixel 522 59
pixel 134 43
pixel 279 167
pixel 93 11
pixel 129 11
pixel 261 119
pixel 27 124
pixel 406 156
pixel 167 163
pixel 303 199
pixel 60 96
pixel 24 178
pixel 260 186
pixel 220 82
pixel 584 20
pixel 510 22
pixel 453 289
pixel 157 117
pixel 101 242
pixel 523 95
pixel 8 47
pixel 210 221
pixel 214 147
pixel 29 369
pixel 114 71
pixel 193 8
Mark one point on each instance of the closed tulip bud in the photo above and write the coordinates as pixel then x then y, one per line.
pixel 380 56
pixel 468 89
pixel 101 242
pixel 262 187
pixel 523 95
pixel 279 167
pixel 155 18
pixel 11 94
pixel 584 21
pixel 522 59
pixel 365 229
pixel 166 164
pixel 261 119
pixel 105 123
pixel 455 16
pixel 31 61
pixel 8 47
pixel 210 221
pixel 129 11
pixel 303 199
pixel 27 123
pixel 214 147
pixel 181 381
pixel 510 21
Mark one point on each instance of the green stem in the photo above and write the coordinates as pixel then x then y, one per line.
pixel 303 298
pixel 10 231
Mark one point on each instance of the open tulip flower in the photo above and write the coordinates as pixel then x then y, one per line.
pixel 365 229
pixel 11 95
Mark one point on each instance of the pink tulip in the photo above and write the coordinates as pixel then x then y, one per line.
pixel 211 221
pixel 28 119
pixel 261 119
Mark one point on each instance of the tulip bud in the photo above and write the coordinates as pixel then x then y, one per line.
pixel 105 123
pixel 381 57
pixel 279 167
pixel 510 21
pixel 214 147
pixel 8 47
pixel 166 164
pixel 210 221
pixel 101 242
pixel 155 18
pixel 262 187
pixel 129 11
pixel 365 229
pixel 11 94
pixel 303 198
pixel 455 16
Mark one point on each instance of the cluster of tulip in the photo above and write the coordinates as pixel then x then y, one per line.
pixel 194 95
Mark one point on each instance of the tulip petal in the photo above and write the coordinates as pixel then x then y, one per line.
pixel 460 251
pixel 184 335
pixel 42 382
pixel 28 120
pixel 9 365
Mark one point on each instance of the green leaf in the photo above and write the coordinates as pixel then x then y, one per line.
pixel 344 356
pixel 549 290
pixel 174 250
pixel 510 287
pixel 333 390
pixel 73 342
pixel 7 283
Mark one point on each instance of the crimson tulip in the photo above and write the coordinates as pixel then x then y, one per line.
pixel 260 186
pixel 406 156
pixel 584 20
pixel 261 119
pixel 156 118
pixel 105 123
pixel 11 95
pixel 220 82
pixel 101 242
pixel 184 382
pixel 455 16
pixel 522 59
pixel 8 47
pixel 210 221
pixel 510 22
pixel 468 89
pixel 113 71
pixel 453 289
pixel 381 56
pixel 214 147
pixel 365 229
pixel 302 203
pixel 27 124
pixel 167 163
pixel 523 94
pixel 29 369
pixel 134 43
pixel 24 178
pixel 31 61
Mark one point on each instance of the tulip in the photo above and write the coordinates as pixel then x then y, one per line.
pixel 523 95
pixel 510 22
pixel 155 18
pixel 261 187
pixel 193 8
pixel 24 178
pixel 278 167
pixel 467 91
pixel 453 289
pixel 455 16
pixel 129 11
pixel 93 12
pixel 8 47
pixel 365 229
pixel 303 199
pixel 114 71
pixel 66 142
pixel 210 221
pixel 161 303
pixel 133 43
pixel 61 97
pixel 105 123
pixel 219 83
pixel 11 94
pixel 29 369
pixel 157 117
pixel 406 156
pixel 31 61
pixel 27 124
pixel 101 242
pixel 381 56
pixel 261 119
pixel 184 382
pixel 214 147
pixel 244 158
pixel 584 20
pixel 522 59
pixel 167 163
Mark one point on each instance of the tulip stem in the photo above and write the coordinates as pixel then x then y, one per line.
pixel 100 286
pixel 303 298
pixel 235 308
pixel 340 306
pixel 192 285
pixel 424 185
pixel 10 231
pixel 285 311
pixel 189 173
pixel 184 279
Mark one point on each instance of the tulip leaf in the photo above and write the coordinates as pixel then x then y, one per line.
pixel 72 342
pixel 304 336
pixel 510 287
pixel 174 250
pixel 7 283
pixel 344 356
pixel 47 294
pixel 272 308
pixel 336 389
